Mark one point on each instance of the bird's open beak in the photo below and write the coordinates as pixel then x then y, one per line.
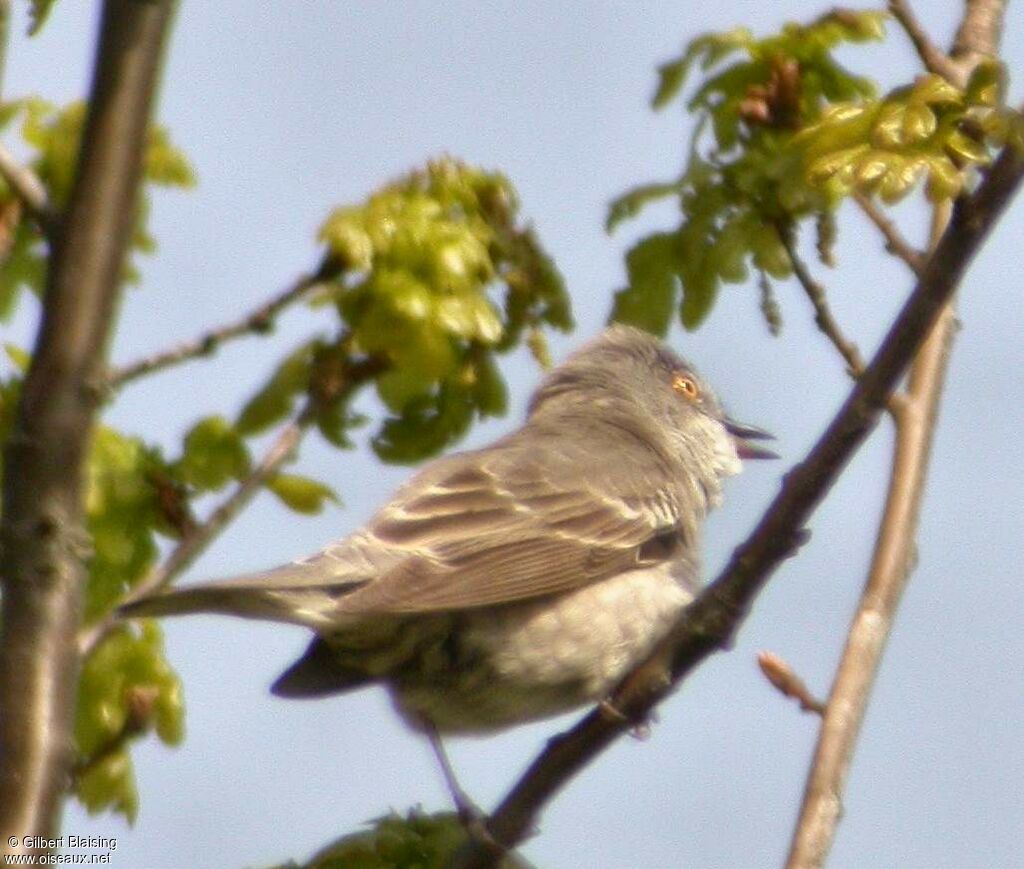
pixel 744 434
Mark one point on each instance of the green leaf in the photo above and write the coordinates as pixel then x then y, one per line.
pixel 334 423
pixel 650 297
pixel 23 267
pixel 987 83
pixel 109 784
pixel 126 687
pixel 39 11
pixel 276 399
pixel 426 425
pixel 21 358
pixel 122 514
pixel 630 203
pixel 214 453
pixel 416 841
pixel 301 494
pixel 489 391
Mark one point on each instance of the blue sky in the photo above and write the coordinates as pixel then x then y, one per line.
pixel 290 109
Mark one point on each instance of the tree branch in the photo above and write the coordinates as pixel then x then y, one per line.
pixel 42 532
pixel 934 58
pixel 258 320
pixel 895 243
pixel 916 417
pixel 978 36
pixel 890 571
pixel 712 619
pixel 823 317
pixel 25 184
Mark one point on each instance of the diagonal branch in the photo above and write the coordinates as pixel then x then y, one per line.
pixel 42 533
pixel 196 541
pixel 823 317
pixel 716 614
pixel 258 320
pixel 934 58
pixel 890 571
pixel 895 243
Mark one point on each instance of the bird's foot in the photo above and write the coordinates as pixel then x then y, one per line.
pixel 640 730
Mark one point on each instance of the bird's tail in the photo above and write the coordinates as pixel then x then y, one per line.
pixel 293 593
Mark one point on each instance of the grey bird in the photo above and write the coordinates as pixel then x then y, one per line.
pixel 520 580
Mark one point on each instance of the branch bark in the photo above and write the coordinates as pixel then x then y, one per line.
pixel 915 418
pixel 42 534
pixel 823 316
pixel 258 320
pixel 716 614
pixel 932 57
pixel 198 540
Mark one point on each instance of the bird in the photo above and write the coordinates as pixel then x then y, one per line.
pixel 524 579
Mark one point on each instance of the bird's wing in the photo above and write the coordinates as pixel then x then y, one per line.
pixel 508 524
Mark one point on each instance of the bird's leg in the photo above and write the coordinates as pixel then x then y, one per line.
pixel 472 818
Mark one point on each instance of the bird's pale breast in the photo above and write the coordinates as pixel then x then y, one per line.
pixel 540 658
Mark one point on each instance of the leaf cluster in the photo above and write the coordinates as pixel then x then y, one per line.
pixel 743 177
pixel 928 130
pixel 416 841
pixel 436 277
pixel 52 136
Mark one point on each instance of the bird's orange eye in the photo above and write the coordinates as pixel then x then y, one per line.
pixel 686 386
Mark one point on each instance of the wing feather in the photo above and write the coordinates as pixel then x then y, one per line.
pixel 506 525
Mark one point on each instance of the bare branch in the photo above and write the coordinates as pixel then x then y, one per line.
pixel 934 58
pixel 28 188
pixel 714 616
pixel 42 532
pixel 978 36
pixel 895 243
pixel 893 557
pixel 260 319
pixel 890 571
pixel 823 317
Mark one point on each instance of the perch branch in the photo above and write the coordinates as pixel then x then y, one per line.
pixel 715 615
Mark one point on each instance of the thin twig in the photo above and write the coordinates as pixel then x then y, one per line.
pixel 895 243
pixel 258 320
pixel 334 385
pixel 823 317
pixel 887 578
pixel 26 185
pixel 934 58
pixel 193 544
pixel 712 619
pixel 892 561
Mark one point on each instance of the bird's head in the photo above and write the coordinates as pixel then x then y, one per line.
pixel 627 377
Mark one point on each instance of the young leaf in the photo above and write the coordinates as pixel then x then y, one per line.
pixel 301 494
